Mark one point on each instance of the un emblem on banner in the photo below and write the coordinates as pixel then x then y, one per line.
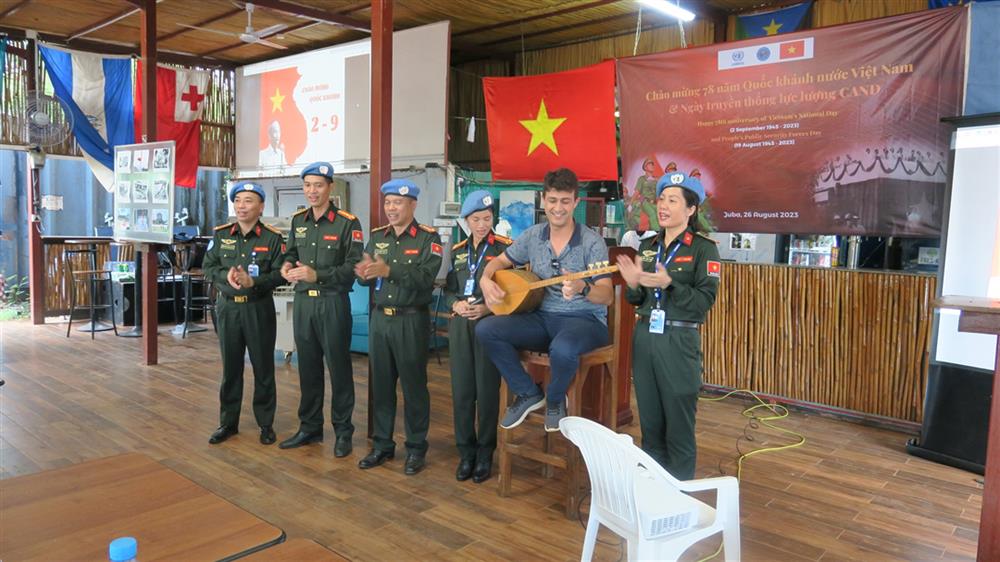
pixel 737 56
pixel 763 53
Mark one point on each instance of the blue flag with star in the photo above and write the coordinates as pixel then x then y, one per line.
pixel 762 24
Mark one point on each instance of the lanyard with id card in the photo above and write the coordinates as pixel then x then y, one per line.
pixel 658 316
pixel 470 283
pixel 253 269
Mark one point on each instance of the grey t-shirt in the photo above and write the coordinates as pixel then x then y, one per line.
pixel 586 250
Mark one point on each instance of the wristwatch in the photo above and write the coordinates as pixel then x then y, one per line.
pixel 586 287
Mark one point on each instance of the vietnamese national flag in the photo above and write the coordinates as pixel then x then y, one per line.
pixel 563 119
pixel 180 100
pixel 792 49
pixel 280 116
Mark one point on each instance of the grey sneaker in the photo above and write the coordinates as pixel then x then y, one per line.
pixel 554 413
pixel 523 404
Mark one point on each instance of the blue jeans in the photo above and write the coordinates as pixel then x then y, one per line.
pixel 564 336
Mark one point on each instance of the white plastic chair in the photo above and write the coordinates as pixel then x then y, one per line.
pixel 626 482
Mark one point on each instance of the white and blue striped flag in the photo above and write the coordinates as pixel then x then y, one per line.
pixel 98 90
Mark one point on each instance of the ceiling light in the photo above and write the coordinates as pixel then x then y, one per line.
pixel 670 9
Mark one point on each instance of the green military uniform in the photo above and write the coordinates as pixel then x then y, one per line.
pixel 475 381
pixel 246 317
pixel 331 244
pixel 643 201
pixel 399 331
pixel 667 367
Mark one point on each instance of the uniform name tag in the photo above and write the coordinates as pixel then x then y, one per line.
pixel 411 252
pixel 684 259
pixel 330 237
pixel 657 320
pixel 260 248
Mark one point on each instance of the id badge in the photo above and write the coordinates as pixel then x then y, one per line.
pixel 470 287
pixel 253 269
pixel 657 319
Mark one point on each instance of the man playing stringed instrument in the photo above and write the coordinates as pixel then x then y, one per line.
pixel 572 319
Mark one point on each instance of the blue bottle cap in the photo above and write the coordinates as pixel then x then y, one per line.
pixel 123 548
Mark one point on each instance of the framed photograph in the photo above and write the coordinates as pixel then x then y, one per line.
pixel 123 162
pixel 160 222
pixel 141 222
pixel 140 192
pixel 161 159
pixel 124 193
pixel 140 161
pixel 123 219
pixel 160 194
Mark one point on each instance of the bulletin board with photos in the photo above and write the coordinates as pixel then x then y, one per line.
pixel 144 192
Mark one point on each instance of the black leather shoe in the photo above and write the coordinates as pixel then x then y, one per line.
pixel 375 458
pixel 267 436
pixel 464 470
pixel 342 447
pixel 414 464
pixel 301 438
pixel 484 469
pixel 221 434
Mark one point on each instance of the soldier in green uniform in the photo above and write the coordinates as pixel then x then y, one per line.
pixel 475 381
pixel 642 202
pixel 673 281
pixel 324 245
pixel 407 257
pixel 243 262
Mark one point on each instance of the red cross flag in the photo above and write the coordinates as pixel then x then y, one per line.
pixel 180 101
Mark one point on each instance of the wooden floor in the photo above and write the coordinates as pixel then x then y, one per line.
pixel 850 493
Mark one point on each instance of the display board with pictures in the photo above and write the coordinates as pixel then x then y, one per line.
pixel 144 192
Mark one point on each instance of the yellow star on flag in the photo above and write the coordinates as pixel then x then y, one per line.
pixel 542 128
pixel 773 28
pixel 276 100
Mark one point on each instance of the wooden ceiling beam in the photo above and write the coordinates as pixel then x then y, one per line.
pixel 202 23
pixel 550 30
pixel 120 49
pixel 561 12
pixel 103 23
pixel 313 14
pixel 13 8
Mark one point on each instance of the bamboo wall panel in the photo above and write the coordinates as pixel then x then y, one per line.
pixel 849 339
pixel 58 282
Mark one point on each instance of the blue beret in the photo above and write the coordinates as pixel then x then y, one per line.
pixel 318 169
pixel 476 201
pixel 245 186
pixel 678 179
pixel 402 187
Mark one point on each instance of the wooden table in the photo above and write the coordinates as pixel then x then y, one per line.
pixel 73 513
pixel 296 550
pixel 982 316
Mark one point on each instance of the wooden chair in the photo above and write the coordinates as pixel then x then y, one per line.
pixel 602 360
pixel 95 282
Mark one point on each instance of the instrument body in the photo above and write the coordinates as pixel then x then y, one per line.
pixel 525 291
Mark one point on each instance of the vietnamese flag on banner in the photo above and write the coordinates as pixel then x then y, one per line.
pixel 281 122
pixel 563 119
pixel 180 100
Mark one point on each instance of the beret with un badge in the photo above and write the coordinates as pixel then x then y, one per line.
pixel 680 179
pixel 403 187
pixel 245 186
pixel 476 201
pixel 318 169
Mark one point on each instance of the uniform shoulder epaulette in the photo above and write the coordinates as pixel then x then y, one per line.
pixel 221 226
pixel 272 229
pixel 460 244
pixel 503 239
pixel 299 212
pixel 346 215
pixel 430 229
pixel 707 237
pixel 380 228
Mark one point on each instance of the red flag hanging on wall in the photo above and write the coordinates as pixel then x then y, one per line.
pixel 563 119
pixel 180 100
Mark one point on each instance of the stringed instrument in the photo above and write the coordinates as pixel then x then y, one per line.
pixel 524 290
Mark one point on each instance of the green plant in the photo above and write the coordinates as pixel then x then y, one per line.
pixel 14 292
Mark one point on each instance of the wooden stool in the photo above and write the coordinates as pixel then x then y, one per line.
pixel 94 280
pixel 605 358
pixel 202 303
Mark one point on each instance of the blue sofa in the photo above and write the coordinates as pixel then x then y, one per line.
pixel 359 317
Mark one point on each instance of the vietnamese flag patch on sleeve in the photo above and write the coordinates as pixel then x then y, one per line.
pixel 714 268
pixel 357 236
pixel 436 249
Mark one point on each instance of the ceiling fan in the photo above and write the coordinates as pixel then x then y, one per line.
pixel 249 35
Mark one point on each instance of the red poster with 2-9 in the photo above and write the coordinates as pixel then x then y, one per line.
pixel 828 131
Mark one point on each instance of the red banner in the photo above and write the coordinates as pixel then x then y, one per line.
pixel 827 131
pixel 564 119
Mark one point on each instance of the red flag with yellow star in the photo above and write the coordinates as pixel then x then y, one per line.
pixel 564 119
pixel 282 126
